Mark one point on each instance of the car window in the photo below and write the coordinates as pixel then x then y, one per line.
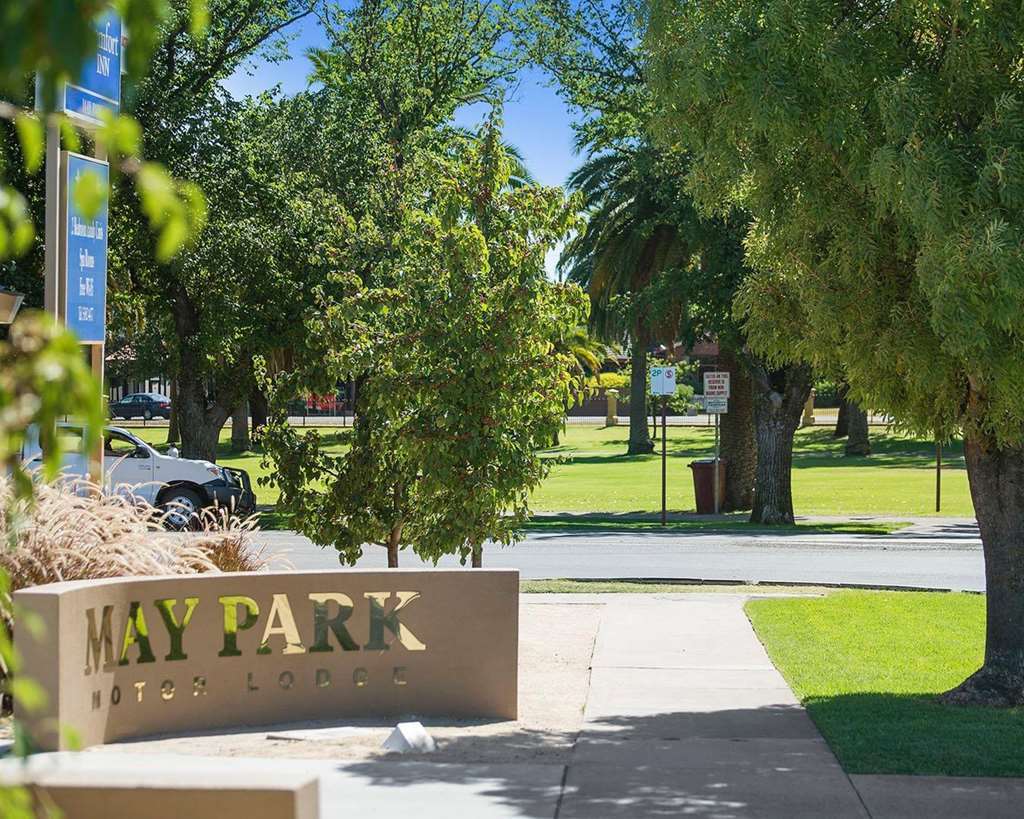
pixel 118 446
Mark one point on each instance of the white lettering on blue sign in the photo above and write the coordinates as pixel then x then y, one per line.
pixel 98 86
pixel 85 282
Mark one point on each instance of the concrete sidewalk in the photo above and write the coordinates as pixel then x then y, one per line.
pixel 685 716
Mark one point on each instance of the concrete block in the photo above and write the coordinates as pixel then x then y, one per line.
pixel 82 789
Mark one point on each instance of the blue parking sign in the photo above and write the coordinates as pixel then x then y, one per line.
pixel 98 87
pixel 85 259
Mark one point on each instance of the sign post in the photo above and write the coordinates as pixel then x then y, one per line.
pixel 75 255
pixel 663 383
pixel 716 402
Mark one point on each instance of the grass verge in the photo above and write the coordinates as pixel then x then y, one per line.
pixel 735 523
pixel 868 667
pixel 654 587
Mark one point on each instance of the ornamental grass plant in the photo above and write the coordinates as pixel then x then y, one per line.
pixel 70 530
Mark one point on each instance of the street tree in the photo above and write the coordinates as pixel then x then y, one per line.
pixel 628 242
pixel 463 349
pixel 594 51
pixel 192 317
pixel 240 289
pixel 875 147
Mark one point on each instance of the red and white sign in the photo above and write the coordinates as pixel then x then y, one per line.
pixel 716 385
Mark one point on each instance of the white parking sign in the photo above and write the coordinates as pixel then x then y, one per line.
pixel 663 380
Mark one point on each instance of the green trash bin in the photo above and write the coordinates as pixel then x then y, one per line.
pixel 704 484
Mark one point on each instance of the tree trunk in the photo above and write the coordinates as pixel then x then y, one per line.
pixel 640 442
pixel 393 544
pixel 843 416
pixel 199 420
pixel 478 557
pixel 200 428
pixel 257 409
pixel 240 428
pixel 173 434
pixel 857 442
pixel 779 398
pixel 996 478
pixel 738 442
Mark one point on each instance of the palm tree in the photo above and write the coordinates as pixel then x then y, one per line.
pixel 630 237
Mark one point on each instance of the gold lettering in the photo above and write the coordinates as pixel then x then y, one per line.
pixel 231 624
pixel 102 642
pixel 280 621
pixel 167 690
pixel 379 620
pixel 286 680
pixel 115 695
pixel 398 675
pixel 323 625
pixel 323 677
pixel 175 630
pixel 139 686
pixel 359 677
pixel 198 686
pixel 136 633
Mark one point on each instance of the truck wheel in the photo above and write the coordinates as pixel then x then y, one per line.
pixel 181 509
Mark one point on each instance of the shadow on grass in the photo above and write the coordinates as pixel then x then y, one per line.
pixel 879 732
pixel 813 448
pixel 682 523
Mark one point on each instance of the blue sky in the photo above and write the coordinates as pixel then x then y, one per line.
pixel 536 120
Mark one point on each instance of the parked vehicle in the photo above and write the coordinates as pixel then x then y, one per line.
pixel 142 405
pixel 179 486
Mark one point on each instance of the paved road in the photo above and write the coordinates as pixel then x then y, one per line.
pixel 932 554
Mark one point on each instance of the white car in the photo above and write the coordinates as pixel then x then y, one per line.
pixel 131 466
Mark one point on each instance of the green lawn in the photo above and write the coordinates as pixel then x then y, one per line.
pixel 593 474
pixel 868 666
pixel 899 479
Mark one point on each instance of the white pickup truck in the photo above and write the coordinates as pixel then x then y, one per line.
pixel 131 466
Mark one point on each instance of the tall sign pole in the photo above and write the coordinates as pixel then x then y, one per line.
pixel 663 383
pixel 716 402
pixel 75 255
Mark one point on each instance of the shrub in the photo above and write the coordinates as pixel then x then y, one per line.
pixel 71 531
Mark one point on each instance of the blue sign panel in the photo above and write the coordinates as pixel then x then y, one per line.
pixel 99 85
pixel 85 261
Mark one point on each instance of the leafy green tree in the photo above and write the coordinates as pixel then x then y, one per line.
pixel 629 240
pixel 594 51
pixel 875 147
pixel 240 290
pixel 461 343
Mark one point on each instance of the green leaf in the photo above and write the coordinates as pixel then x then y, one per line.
pixel 33 140
pixel 90 193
